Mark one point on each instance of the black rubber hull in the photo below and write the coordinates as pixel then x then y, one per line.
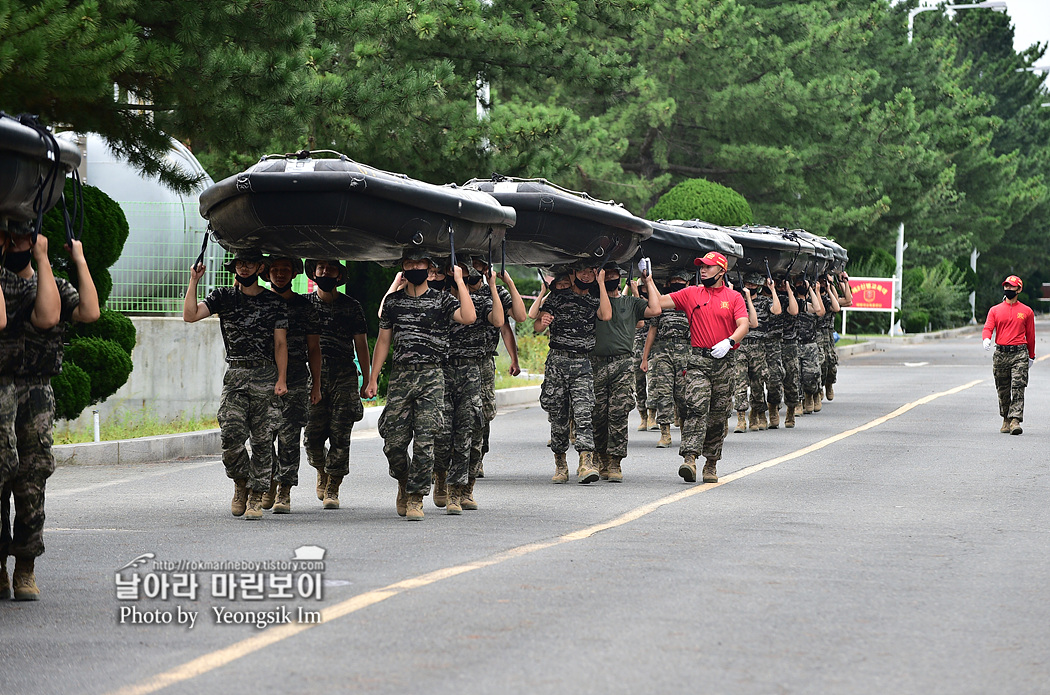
pixel 769 251
pixel 675 245
pixel 23 164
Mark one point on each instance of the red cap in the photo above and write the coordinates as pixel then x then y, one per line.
pixel 713 258
pixel 1013 280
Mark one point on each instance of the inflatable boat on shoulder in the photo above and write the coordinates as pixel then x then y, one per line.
pixel 676 244
pixel 334 207
pixel 768 251
pixel 557 226
pixel 33 168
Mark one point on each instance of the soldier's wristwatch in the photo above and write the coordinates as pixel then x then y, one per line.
pixel 732 343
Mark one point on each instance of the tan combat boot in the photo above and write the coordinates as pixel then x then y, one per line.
pixel 440 488
pixel 818 399
pixel 253 510
pixel 1005 429
pixel 688 468
pixel 561 469
pixel 322 483
pixel 762 423
pixel 452 505
pixel 798 409
pixel 466 496
pixel 829 391
pixel 653 426
pixel 5 582
pixel 789 416
pixel 741 422
pixel 240 497
pixel 665 437
pixel 677 419
pixel 753 421
pixel 270 495
pixel 586 471
pixel 807 404
pixel 710 476
pixel 331 492
pixel 283 503
pixel 414 507
pixel 644 415
pixel 24 581
pixel 1015 426
pixel 615 474
pixel 774 416
pixel 603 465
pixel 402 497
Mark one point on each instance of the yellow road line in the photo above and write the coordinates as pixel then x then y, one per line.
pixel 272 635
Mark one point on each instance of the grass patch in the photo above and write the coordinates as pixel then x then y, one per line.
pixel 134 424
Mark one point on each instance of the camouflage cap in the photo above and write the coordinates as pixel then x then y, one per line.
pixel 297 265
pixel 681 274
pixel 416 253
pixel 311 266
pixel 249 256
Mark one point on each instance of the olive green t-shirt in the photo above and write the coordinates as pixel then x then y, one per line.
pixel 616 336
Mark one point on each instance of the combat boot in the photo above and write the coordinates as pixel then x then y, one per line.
pixel 688 468
pixel 331 492
pixel 677 419
pixel 665 437
pixel 774 416
pixel 561 469
pixel 653 426
pixel 23 580
pixel 710 476
pixel 1005 429
pixel 414 507
pixel 615 474
pixel 798 409
pixel 1015 426
pixel 829 392
pixel 402 497
pixel 586 472
pixel 253 510
pixel 603 465
pixel 644 415
pixel 753 421
pixel 270 495
pixel 322 483
pixel 440 488
pixel 741 422
pixel 807 404
pixel 818 399
pixel 452 505
pixel 481 470
pixel 240 497
pixel 762 423
pixel 5 583
pixel 466 496
pixel 789 416
pixel 283 503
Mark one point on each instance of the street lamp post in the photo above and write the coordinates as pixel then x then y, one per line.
pixel 994 6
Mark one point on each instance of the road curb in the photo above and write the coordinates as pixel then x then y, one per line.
pixel 855 349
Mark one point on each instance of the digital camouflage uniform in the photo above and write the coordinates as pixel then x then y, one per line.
pixel 773 377
pixel 789 358
pixel 668 358
pixel 34 420
pixel 751 368
pixel 332 418
pixel 568 380
pixel 640 377
pixel 707 397
pixel 488 370
pixel 829 357
pixel 19 297
pixel 248 407
pixel 416 389
pixel 302 321
pixel 1010 371
pixel 809 352
pixel 612 366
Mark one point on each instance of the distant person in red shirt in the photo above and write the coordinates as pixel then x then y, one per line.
pixel 1014 326
pixel 717 324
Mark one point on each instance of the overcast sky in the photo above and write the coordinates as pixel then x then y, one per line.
pixel 1031 20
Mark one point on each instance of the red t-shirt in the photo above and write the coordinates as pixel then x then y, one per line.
pixel 1014 324
pixel 712 313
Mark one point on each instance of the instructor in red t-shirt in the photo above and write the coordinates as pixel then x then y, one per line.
pixel 1014 327
pixel 717 324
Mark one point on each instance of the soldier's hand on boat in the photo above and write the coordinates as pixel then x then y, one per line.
pixel 197 271
pixel 721 349
pixel 457 273
pixel 40 248
pixel 76 250
pixel 601 276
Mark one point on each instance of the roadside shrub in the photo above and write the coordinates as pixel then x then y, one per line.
pixel 940 292
pixel 106 361
pixel 72 389
pixel 704 200
pixel 111 325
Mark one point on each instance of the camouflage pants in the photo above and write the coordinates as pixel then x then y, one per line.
pixel 488 398
pixel 640 377
pixel 332 420
pixel 613 384
pixel 829 357
pixel 443 438
pixel 288 436
pixel 248 409
pixel 751 371
pixel 414 414
pixel 809 358
pixel 1010 370
pixel 792 372
pixel 465 420
pixel 665 380
pixel 34 418
pixel 8 440
pixel 707 398
pixel 568 385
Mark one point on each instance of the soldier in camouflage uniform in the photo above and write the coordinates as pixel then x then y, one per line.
pixel 414 325
pixel 641 332
pixel 343 332
pixel 773 369
pixel 829 358
pixel 664 359
pixel 752 369
pixel 1013 325
pixel 809 314
pixel 788 328
pixel 612 363
pixel 254 326
pixel 304 380
pixel 568 381
pixel 41 359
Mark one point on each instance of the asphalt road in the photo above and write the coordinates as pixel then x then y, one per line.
pixel 875 548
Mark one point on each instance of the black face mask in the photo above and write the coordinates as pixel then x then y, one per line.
pixel 1009 294
pixel 16 261
pixel 416 277
pixel 585 285
pixel 327 284
pixel 438 284
pixel 280 289
pixel 563 290
pixel 676 286
pixel 472 280
pixel 612 285
pixel 248 281
pixel 709 282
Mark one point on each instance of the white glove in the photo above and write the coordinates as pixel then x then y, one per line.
pixel 1030 362
pixel 721 349
pixel 987 343
pixel 645 267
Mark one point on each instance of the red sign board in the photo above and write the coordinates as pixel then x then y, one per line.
pixel 871 294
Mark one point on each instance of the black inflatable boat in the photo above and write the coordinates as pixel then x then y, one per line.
pixel 27 167
pixel 337 208
pixel 557 226
pixel 676 244
pixel 767 249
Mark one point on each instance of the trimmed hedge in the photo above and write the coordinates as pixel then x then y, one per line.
pixel 111 325
pixel 104 360
pixel 72 389
pixel 703 200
